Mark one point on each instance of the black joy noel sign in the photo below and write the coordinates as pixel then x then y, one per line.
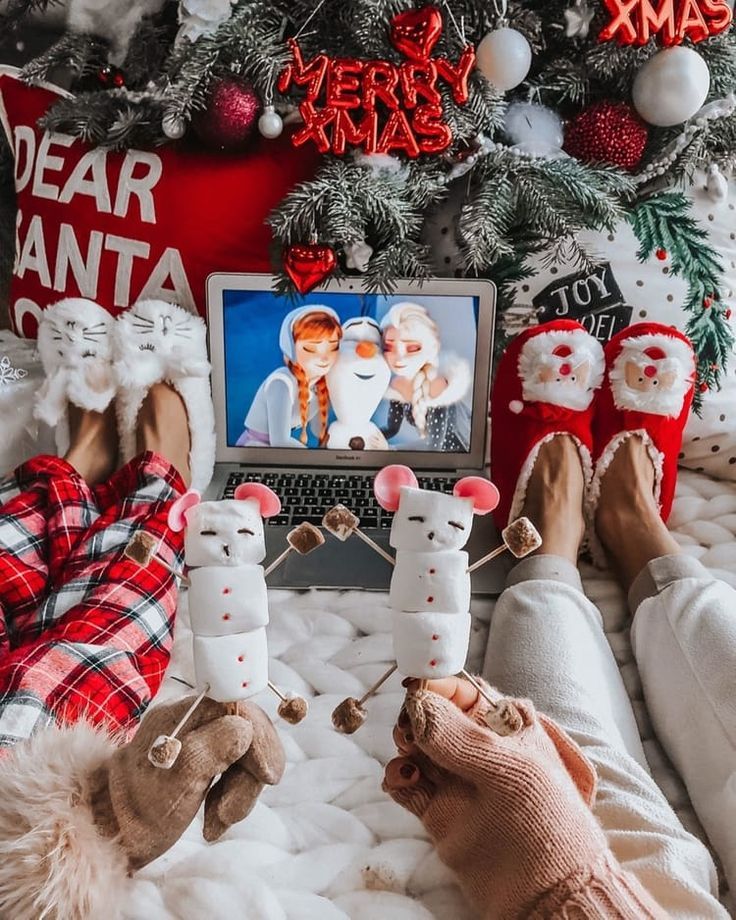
pixel 592 298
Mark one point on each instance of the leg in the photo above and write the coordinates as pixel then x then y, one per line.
pixel 547 643
pixel 684 639
pixel 98 645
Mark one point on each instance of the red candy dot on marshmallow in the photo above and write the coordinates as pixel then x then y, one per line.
pixel 241 657
pixel 226 616
pixel 226 590
pixel 432 571
pixel 433 663
pixel 244 684
pixel 430 599
pixel 435 637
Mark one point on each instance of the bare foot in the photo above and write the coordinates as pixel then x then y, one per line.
pixel 93 450
pixel 627 518
pixel 163 427
pixel 554 498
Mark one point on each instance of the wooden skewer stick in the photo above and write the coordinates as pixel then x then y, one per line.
pixel 174 572
pixel 185 718
pixel 279 694
pixel 277 561
pixel 483 693
pixel 485 559
pixel 379 683
pixel 373 545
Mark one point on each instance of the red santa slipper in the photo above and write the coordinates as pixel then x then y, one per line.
pixel 647 391
pixel 544 386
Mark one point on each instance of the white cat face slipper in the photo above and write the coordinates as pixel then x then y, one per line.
pixel 157 342
pixel 75 346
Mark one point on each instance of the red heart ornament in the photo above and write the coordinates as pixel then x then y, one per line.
pixel 416 32
pixel 308 264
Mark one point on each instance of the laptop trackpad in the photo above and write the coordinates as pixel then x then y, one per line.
pixel 335 565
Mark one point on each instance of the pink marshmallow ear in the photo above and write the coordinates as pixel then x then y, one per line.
pixel 388 483
pixel 178 511
pixel 484 494
pixel 268 500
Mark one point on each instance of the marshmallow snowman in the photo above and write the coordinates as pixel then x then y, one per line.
pixel 430 586
pixel 224 546
pixel 357 383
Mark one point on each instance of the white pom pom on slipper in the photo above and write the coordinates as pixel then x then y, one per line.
pixel 156 342
pixel 75 346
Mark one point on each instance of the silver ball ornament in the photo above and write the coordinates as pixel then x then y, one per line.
pixel 504 57
pixel 671 87
pixel 173 126
pixel 270 124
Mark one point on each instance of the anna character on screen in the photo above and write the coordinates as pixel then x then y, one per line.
pixel 425 392
pixel 295 397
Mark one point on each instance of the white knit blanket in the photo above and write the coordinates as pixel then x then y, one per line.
pixel 327 844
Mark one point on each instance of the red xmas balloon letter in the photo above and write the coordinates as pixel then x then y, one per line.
pixel 378 106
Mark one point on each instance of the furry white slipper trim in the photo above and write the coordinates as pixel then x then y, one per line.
pixel 597 552
pixel 156 341
pixel 55 863
pixel 75 346
pixel 517 503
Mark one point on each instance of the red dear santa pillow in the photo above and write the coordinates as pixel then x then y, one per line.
pixel 116 226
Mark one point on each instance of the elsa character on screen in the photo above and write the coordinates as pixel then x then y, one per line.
pixel 295 396
pixel 426 392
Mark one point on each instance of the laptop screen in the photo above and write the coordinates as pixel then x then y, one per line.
pixel 345 370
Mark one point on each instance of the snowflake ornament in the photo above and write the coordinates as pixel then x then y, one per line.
pixel 578 18
pixel 8 373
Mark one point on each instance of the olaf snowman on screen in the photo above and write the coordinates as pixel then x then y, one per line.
pixel 430 586
pixel 357 383
pixel 224 546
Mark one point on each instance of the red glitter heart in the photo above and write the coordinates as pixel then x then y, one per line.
pixel 308 264
pixel 416 32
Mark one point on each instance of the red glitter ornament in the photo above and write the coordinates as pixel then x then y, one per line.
pixel 231 115
pixel 607 132
pixel 661 254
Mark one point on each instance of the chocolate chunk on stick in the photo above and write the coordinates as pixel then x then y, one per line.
pixel 341 522
pixel 521 537
pixel 303 539
pixel 141 549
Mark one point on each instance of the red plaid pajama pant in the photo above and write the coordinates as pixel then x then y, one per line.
pixel 84 632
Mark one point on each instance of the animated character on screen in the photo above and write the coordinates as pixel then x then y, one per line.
pixel 357 383
pixel 430 585
pixel 424 394
pixel 296 396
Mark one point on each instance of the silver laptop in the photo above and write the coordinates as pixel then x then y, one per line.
pixel 316 393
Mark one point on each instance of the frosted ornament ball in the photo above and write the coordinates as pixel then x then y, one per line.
pixel 535 129
pixel 504 57
pixel 671 87
pixel 270 124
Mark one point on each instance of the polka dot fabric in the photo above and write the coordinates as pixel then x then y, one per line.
pixel 651 292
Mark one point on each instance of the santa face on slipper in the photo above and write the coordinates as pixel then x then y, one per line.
pixel 545 385
pixel 647 392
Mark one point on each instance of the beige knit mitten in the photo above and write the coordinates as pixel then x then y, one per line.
pixel 511 814
pixel 147 809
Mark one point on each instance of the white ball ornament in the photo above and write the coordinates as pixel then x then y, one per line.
pixel 504 57
pixel 671 87
pixel 270 124
pixel 535 129
pixel 173 126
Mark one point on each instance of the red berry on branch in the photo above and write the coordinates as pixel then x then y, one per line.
pixel 607 132
pixel 661 254
pixel 707 302
pixel 703 387
pixel 728 313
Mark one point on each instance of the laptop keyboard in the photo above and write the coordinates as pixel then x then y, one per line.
pixel 309 496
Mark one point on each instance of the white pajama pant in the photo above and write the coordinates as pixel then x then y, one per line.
pixel 547 643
